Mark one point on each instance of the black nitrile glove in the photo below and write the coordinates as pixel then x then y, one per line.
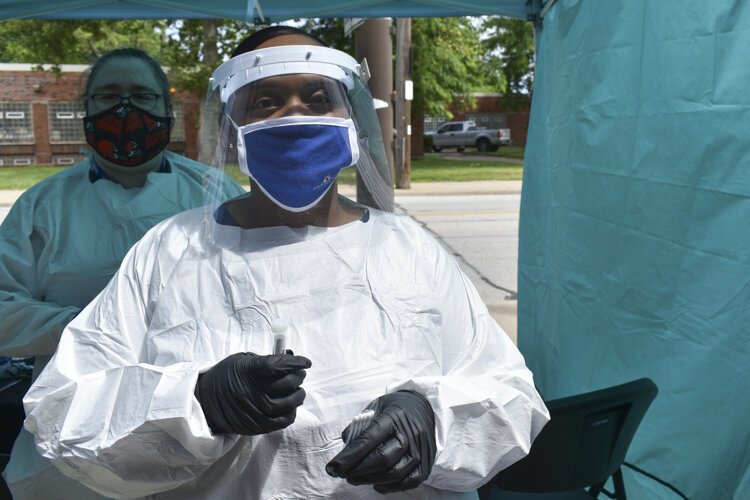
pixel 396 451
pixel 250 394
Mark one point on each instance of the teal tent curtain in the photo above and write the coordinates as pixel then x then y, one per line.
pixel 258 11
pixel 634 254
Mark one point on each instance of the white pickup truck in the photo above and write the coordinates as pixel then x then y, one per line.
pixel 464 134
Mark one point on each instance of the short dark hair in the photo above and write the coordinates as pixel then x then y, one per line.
pixel 251 42
pixel 130 52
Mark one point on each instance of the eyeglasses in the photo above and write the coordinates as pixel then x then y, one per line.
pixel 145 101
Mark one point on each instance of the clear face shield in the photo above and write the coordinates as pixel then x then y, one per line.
pixel 291 118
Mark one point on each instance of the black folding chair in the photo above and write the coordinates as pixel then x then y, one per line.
pixel 582 446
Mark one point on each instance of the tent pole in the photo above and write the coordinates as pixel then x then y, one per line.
pixel 545 8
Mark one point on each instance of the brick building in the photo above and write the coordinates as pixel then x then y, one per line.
pixel 41 117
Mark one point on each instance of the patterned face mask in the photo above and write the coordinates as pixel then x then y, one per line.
pixel 127 135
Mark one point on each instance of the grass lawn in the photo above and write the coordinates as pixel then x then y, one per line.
pixel 428 169
pixel 508 152
pixel 433 169
pixel 437 169
pixel 25 177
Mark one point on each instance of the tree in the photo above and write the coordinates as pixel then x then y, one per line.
pixel 330 31
pixel 192 52
pixel 447 64
pixel 75 42
pixel 194 48
pixel 447 59
pixel 510 52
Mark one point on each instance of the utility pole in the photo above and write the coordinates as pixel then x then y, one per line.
pixel 372 40
pixel 208 132
pixel 404 96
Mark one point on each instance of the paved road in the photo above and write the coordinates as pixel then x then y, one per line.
pixel 482 233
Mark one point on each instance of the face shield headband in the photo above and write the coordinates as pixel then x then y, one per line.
pixel 286 60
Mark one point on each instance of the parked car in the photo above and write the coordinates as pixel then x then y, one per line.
pixel 463 134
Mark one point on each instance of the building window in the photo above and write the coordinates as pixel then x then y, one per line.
pixel 16 125
pixel 177 133
pixel 64 160
pixel 65 123
pixel 15 161
pixel 431 123
pixel 489 120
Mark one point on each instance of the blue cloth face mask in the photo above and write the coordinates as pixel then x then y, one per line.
pixel 295 159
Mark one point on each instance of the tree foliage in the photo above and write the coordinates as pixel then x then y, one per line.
pixel 447 60
pixel 510 52
pixel 446 64
pixel 330 31
pixel 196 47
pixel 181 45
pixel 448 57
pixel 76 42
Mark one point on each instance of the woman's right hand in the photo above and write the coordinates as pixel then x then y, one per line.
pixel 250 394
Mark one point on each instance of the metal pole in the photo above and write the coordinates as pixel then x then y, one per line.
pixel 402 157
pixel 372 40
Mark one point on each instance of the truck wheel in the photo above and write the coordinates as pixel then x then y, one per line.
pixel 460 149
pixel 436 149
pixel 483 145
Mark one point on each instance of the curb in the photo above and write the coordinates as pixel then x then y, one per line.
pixel 449 188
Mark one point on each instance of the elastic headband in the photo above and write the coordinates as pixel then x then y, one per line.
pixel 286 60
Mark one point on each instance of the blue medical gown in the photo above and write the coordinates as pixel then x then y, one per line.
pixel 62 242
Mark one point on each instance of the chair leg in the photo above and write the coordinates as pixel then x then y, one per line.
pixel 596 489
pixel 619 484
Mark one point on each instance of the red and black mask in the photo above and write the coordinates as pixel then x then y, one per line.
pixel 127 135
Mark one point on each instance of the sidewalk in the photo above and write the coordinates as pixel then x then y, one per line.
pixel 8 197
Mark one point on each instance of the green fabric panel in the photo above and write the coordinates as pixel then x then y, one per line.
pixel 634 254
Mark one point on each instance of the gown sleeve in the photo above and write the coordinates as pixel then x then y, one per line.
pixel 29 325
pixel 105 417
pixel 487 410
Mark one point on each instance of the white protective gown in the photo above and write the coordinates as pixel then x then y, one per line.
pixel 60 244
pixel 377 306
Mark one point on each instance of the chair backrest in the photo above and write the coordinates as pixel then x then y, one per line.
pixel 11 411
pixel 585 440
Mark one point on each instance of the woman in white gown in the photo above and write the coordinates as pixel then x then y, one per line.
pixel 165 384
